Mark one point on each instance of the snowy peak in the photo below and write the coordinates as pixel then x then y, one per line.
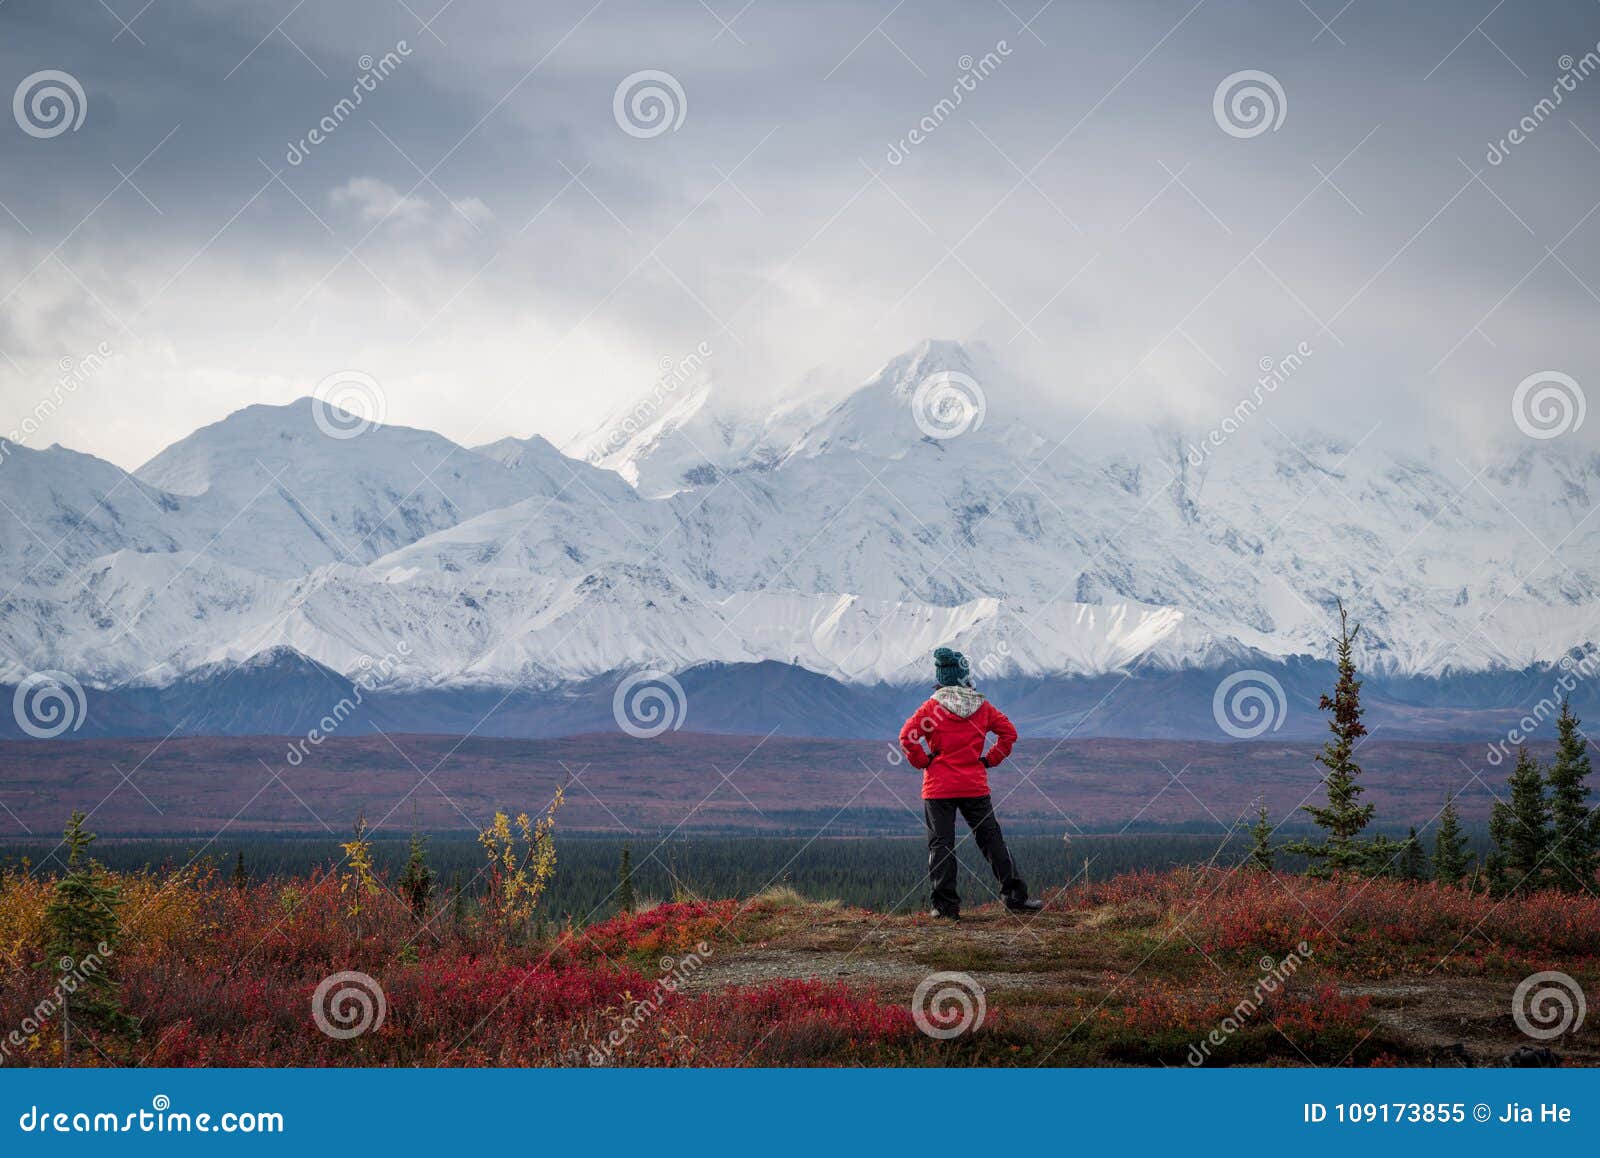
pixel 307 436
pixel 686 433
pixel 941 399
pixel 63 509
pixel 510 452
pixel 280 661
pixel 539 469
pixel 937 503
pixel 669 427
pixel 906 372
pixel 670 442
pixel 284 489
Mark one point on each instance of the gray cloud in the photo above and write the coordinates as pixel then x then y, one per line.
pixel 482 237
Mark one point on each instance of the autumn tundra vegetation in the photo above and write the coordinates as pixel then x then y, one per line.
pixel 1381 952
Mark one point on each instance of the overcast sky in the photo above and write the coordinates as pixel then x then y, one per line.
pixel 487 240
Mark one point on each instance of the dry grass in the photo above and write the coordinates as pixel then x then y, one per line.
pixel 786 897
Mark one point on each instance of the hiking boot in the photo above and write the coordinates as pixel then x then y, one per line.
pixel 1027 905
pixel 941 915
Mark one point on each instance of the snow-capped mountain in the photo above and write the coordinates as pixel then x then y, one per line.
pixel 938 503
pixel 271 491
pixel 63 510
pixel 687 437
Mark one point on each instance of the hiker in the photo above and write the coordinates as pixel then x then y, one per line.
pixel 945 738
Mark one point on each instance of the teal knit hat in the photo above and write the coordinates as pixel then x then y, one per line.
pixel 950 668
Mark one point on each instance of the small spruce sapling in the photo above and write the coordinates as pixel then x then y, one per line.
pixel 1413 861
pixel 1451 860
pixel 417 879
pixel 1261 842
pixel 626 900
pixel 82 935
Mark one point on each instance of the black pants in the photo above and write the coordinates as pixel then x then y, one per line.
pixel 978 812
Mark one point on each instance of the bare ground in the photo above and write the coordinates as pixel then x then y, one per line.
pixel 1462 1021
pixel 1090 957
pixel 896 953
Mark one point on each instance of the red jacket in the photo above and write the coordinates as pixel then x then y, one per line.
pixel 945 738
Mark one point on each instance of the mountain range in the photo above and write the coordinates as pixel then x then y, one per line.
pixel 793 564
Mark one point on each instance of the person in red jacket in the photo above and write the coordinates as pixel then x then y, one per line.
pixel 945 737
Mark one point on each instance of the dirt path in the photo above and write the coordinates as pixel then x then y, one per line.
pixel 1006 954
pixel 1445 1020
pixel 1459 1021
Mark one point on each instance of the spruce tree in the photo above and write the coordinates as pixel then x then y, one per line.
pixel 1380 857
pixel 82 935
pixel 1450 857
pixel 1494 865
pixel 1575 829
pixel 1261 842
pixel 626 901
pixel 1413 861
pixel 417 878
pixel 241 879
pixel 1520 828
pixel 458 900
pixel 1343 817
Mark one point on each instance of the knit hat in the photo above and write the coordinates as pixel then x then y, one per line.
pixel 950 668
